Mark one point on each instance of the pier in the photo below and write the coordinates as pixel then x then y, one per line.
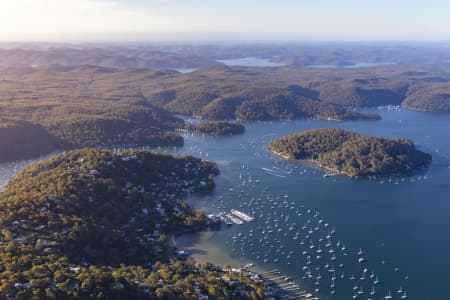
pixel 284 286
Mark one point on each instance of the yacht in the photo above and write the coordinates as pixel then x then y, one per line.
pixel 360 291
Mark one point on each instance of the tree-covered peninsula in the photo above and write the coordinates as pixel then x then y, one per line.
pixel 351 153
pixel 92 224
pixel 215 128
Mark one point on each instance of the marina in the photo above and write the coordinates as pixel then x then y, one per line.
pixel 309 226
pixel 334 238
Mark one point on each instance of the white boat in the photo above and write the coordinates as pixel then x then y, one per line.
pixel 234 219
pixel 242 215
pixel 332 284
pixel 388 296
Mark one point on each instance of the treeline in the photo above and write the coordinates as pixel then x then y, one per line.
pixel 108 57
pixel 91 224
pixel 429 97
pixel 351 153
pixel 215 128
pixel 275 104
pixel 94 131
pixel 86 106
pixel 225 92
pixel 47 126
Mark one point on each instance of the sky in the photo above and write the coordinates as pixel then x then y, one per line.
pixel 215 20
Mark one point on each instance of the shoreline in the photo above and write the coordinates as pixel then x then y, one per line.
pixel 329 171
pixel 199 247
pixel 311 162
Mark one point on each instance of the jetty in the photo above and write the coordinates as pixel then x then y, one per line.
pixel 284 286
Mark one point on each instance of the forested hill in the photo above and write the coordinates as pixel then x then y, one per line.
pixel 23 140
pixel 110 124
pixel 351 153
pixel 91 224
pixel 215 128
pixel 34 127
pixel 90 106
pixel 215 93
pixel 108 57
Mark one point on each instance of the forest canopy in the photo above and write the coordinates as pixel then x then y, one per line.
pixel 215 128
pixel 92 224
pixel 98 106
pixel 351 153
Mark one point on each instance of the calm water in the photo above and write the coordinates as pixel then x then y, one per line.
pixel 186 70
pixel 357 65
pixel 401 224
pixel 250 62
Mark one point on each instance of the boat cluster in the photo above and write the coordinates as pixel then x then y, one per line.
pixel 280 232
pixel 233 217
pixel 290 236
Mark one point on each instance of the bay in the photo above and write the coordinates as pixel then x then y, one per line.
pixel 400 224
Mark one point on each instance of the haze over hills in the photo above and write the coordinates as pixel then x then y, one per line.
pixel 105 106
pixel 110 57
pixel 192 93
pixel 85 97
pixel 201 54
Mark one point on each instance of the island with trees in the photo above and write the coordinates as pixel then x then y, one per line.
pixel 93 224
pixel 215 128
pixel 350 153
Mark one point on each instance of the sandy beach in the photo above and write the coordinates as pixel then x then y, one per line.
pixel 203 249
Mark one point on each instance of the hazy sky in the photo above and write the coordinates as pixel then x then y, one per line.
pixel 102 20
